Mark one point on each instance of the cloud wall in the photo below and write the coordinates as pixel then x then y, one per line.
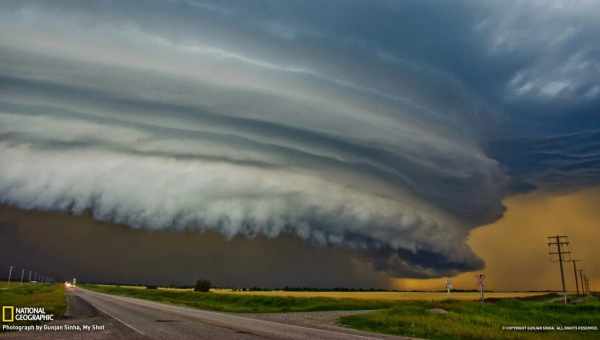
pixel 352 125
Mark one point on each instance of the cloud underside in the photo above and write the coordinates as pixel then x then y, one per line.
pixel 66 246
pixel 171 118
pixel 164 166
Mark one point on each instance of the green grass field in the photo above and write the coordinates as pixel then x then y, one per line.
pixel 241 303
pixel 471 320
pixel 49 296
pixel 464 320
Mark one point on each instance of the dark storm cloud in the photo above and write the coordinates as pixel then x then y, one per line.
pixel 369 126
pixel 78 246
pixel 557 162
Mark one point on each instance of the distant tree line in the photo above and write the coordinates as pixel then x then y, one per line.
pixel 200 286
pixel 204 285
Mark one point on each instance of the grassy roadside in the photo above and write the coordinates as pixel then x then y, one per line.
pixel 49 296
pixel 471 320
pixel 241 303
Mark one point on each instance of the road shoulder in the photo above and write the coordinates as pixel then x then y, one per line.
pixel 78 315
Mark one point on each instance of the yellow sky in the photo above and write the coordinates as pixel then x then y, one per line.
pixel 515 250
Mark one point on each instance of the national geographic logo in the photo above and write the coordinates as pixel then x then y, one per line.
pixel 8 313
pixel 12 314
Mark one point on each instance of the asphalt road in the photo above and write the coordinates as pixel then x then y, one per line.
pixel 154 320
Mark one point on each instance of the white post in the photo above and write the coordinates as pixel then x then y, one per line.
pixel 481 278
pixel 9 273
pixel 22 274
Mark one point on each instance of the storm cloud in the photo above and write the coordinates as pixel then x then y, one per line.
pixel 380 127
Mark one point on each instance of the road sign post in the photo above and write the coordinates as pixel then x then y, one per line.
pixel 449 286
pixel 480 280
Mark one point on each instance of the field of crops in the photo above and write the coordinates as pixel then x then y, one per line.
pixel 393 296
pixel 239 303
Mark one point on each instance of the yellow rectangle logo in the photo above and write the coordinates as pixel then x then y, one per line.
pixel 8 313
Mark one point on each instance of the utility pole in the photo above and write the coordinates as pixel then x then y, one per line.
pixel 9 273
pixel 575 272
pixel 22 274
pixel 587 285
pixel 582 282
pixel 559 242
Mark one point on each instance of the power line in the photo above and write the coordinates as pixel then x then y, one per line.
pixel 581 276
pixel 33 276
pixel 587 284
pixel 575 272
pixel 556 248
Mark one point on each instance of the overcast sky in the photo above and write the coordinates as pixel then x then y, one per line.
pixel 387 129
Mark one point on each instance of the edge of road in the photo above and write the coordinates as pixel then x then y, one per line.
pixel 243 323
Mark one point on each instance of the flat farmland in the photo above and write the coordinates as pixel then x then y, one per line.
pixel 431 315
pixel 384 296
pixel 373 296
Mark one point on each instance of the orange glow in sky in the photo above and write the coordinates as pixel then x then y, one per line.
pixel 515 250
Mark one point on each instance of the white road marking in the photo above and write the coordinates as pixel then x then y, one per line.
pixel 228 321
pixel 116 318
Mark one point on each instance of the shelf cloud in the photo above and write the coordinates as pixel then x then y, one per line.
pixel 379 127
